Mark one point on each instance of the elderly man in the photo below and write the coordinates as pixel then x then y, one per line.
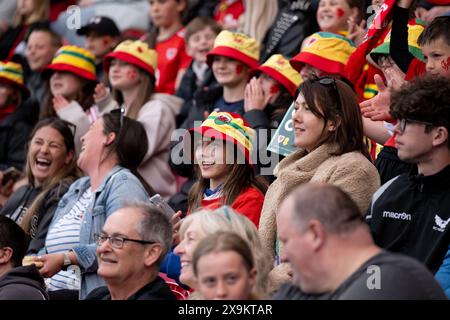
pixel 131 247
pixel 334 257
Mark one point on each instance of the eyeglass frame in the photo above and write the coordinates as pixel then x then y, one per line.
pixel 100 239
pixel 404 121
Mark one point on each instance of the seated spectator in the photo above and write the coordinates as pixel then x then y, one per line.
pixel 71 79
pixel 328 133
pixel 17 282
pixel 167 38
pixel 102 36
pixel 27 14
pixel 224 267
pixel 131 246
pixel 42 44
pixel 16 120
pixel 198 225
pixel 334 257
pixel 199 35
pixel 112 150
pixel 228 12
pixel 131 70
pixel 225 171
pixel 51 168
pixel 409 213
pixel 323 54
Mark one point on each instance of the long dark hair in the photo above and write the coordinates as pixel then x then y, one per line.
pixel 67 174
pixel 239 178
pixel 338 104
pixel 130 145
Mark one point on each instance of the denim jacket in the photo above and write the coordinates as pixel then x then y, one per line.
pixel 119 185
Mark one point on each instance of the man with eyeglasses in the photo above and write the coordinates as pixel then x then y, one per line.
pixel 131 247
pixel 411 212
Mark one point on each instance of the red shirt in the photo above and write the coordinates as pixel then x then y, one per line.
pixel 416 68
pixel 172 57
pixel 227 13
pixel 249 203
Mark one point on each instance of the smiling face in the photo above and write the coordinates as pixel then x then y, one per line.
pixel 99 45
pixel 65 84
pixel 229 72
pixel 47 154
pixel 200 43
pixel 309 129
pixel 116 265
pixel 332 15
pixel 123 75
pixel 185 250
pixel 39 50
pixel 211 158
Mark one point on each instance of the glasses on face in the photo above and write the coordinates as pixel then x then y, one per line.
pixel 331 82
pixel 121 112
pixel 117 242
pixel 403 122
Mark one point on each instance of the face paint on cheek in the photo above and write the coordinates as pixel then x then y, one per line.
pixel 340 12
pixel 445 63
pixel 274 89
pixel 239 69
pixel 105 42
pixel 131 75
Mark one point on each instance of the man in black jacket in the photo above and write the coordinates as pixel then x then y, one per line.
pixel 131 247
pixel 410 213
pixel 17 282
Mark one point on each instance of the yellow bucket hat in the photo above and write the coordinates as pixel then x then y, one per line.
pixel 12 74
pixel 280 70
pixel 237 46
pixel 229 126
pixel 76 60
pixel 325 51
pixel 135 52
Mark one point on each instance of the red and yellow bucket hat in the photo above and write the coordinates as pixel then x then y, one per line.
pixel 231 127
pixel 76 60
pixel 279 68
pixel 11 74
pixel 237 46
pixel 135 52
pixel 325 51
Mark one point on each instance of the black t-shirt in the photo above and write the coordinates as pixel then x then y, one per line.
pixel 155 290
pixel 386 276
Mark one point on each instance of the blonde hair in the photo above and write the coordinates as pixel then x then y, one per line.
pixel 41 12
pixel 258 17
pixel 226 219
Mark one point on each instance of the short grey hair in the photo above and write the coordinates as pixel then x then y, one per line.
pixel 328 204
pixel 154 226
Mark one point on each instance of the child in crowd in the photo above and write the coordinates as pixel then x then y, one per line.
pixel 15 122
pixel 228 12
pixel 71 80
pixel 131 70
pixel 167 38
pixel 225 172
pixel 200 34
pixel 224 267
pixel 102 36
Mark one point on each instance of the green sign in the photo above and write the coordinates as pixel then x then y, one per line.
pixel 283 140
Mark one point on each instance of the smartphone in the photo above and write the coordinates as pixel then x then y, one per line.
pixel 159 201
pixel 11 174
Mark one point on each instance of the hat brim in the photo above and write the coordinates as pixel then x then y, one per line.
pixel 68 68
pixel 127 58
pixel 213 133
pixel 326 65
pixel 277 76
pixel 230 53
pixel 84 31
pixel 24 90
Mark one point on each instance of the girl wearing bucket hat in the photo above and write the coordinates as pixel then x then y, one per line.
pixel 224 167
pixel 131 71
pixel 71 80
pixel 16 118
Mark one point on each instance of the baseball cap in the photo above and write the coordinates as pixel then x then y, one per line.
pixel 102 26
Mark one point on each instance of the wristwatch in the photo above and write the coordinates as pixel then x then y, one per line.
pixel 67 261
